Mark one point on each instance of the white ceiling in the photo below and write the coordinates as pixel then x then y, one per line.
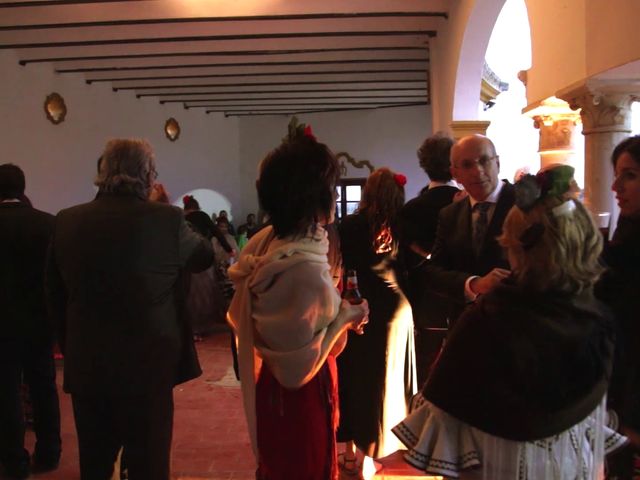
pixel 240 57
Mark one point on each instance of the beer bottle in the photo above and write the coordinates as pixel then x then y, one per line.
pixel 351 293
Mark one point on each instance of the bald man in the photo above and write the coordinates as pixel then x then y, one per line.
pixel 467 260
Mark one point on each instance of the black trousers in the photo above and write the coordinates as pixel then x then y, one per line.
pixel 31 362
pixel 141 425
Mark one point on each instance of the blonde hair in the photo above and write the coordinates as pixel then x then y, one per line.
pixel 554 249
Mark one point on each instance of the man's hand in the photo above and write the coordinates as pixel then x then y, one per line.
pixel 158 193
pixel 461 195
pixel 632 435
pixel 482 285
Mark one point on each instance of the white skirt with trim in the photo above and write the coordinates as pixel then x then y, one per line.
pixel 440 444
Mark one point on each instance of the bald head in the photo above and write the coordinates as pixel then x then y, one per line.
pixel 474 141
pixel 475 164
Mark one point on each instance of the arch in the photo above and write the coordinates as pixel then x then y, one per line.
pixel 473 47
pixel 210 201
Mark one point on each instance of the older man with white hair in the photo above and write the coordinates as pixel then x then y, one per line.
pixel 113 288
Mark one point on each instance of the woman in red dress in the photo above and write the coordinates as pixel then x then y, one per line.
pixel 288 316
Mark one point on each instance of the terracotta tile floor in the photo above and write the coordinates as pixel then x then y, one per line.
pixel 210 440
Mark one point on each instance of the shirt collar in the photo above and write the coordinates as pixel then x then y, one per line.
pixel 10 200
pixel 436 183
pixel 492 198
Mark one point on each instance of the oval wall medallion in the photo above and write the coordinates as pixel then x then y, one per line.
pixel 55 108
pixel 172 129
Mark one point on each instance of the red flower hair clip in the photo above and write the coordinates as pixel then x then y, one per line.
pixel 400 179
pixel 298 131
pixel 186 198
pixel 309 133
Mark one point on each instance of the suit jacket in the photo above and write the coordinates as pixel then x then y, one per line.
pixel 24 236
pixel 418 222
pixel 112 279
pixel 453 259
pixel 419 217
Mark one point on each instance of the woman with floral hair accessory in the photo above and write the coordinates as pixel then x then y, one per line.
pixel 620 289
pixel 288 316
pixel 376 370
pixel 205 303
pixel 519 389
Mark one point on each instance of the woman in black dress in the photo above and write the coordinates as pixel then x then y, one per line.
pixel 620 289
pixel 376 371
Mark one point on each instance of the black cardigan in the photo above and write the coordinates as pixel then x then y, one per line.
pixel 619 288
pixel 524 365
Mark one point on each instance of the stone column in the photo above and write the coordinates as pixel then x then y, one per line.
pixel 606 120
pixel 557 124
pixel 557 139
pixel 462 128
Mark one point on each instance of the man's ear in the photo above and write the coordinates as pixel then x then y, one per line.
pixel 453 173
pixel 498 162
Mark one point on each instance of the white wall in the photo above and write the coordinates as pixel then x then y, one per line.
pixel 213 152
pixel 576 39
pixel 558 45
pixel 60 160
pixel 386 137
pixel 612 34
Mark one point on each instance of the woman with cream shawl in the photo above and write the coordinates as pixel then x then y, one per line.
pixel 288 316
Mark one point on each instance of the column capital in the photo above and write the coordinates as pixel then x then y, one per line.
pixel 557 124
pixel 551 110
pixel 462 128
pixel 605 106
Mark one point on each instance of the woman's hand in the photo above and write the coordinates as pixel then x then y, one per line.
pixel 355 316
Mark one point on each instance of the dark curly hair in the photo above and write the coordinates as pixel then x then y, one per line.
pixel 433 156
pixel 296 185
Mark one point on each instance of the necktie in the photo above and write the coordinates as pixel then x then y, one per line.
pixel 480 225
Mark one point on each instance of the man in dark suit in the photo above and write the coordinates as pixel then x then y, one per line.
pixel 467 260
pixel 418 220
pixel 112 277
pixel 26 337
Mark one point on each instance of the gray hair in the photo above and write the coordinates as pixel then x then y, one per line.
pixel 127 165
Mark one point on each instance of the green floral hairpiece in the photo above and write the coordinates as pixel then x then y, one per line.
pixel 553 182
pixel 298 131
pixel 556 181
